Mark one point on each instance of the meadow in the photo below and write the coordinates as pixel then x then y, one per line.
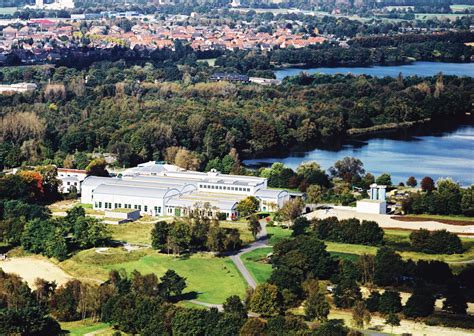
pixel 209 279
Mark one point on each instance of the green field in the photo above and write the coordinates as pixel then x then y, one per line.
pixel 134 233
pixel 277 234
pixel 255 263
pixel 212 278
pixel 83 327
pixel 243 228
pixel 397 239
pixel 261 270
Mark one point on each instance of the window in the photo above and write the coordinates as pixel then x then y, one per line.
pixel 145 208
pixel 100 204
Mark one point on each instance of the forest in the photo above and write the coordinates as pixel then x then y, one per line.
pixel 129 111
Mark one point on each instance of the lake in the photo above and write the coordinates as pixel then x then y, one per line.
pixel 445 154
pixel 421 69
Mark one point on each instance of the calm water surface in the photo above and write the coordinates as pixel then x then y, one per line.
pixel 421 69
pixel 447 154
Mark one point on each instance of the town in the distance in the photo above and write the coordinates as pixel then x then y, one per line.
pixel 236 167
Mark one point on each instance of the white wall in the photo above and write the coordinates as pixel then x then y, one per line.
pixel 368 206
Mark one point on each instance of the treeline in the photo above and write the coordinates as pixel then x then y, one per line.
pixel 196 233
pixel 349 231
pixel 297 260
pixel 105 108
pixel 397 40
pixel 363 51
pixel 32 227
pixel 444 198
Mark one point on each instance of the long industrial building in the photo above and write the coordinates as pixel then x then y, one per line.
pixel 160 189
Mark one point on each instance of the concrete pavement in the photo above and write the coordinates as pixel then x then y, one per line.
pixel 262 241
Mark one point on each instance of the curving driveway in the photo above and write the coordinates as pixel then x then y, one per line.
pixel 262 241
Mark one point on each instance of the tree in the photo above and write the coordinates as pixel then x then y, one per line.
pixel 266 300
pixel 187 159
pixel 388 266
pixel 292 209
pixel 332 328
pixel 347 291
pixel 412 182
pixel 171 285
pixel 216 239
pixel 254 226
pixel 348 169
pixel 384 179
pixel 360 314
pixel 180 237
pixel 420 304
pixel 390 302
pixel 233 305
pixel 97 167
pixel 373 301
pixel 316 306
pixel 254 327
pixel 300 226
pixel 392 320
pixel 314 193
pixel 65 301
pixel 248 206
pixel 455 301
pixel 160 235
pixel 427 184
pixel 89 232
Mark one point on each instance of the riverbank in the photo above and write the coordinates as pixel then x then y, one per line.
pixel 410 68
pixel 385 127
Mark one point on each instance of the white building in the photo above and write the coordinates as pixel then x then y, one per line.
pixel 71 178
pixel 165 190
pixel 17 88
pixel 377 203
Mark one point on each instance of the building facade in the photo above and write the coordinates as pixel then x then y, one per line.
pixel 159 189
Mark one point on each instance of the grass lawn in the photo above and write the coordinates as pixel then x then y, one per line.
pixel 83 327
pixel 212 278
pixel 398 240
pixel 255 263
pixel 345 256
pixel 134 233
pixel 277 234
pixel 210 61
pixel 243 228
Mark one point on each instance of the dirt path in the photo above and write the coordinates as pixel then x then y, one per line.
pixel 30 268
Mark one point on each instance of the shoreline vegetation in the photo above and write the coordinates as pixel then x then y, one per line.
pixel 385 127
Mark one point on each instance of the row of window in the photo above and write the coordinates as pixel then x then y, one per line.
pixel 108 205
pixel 210 186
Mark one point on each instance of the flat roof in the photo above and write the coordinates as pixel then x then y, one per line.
pixel 132 191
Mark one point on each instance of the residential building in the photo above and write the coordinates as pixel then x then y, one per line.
pixel 71 178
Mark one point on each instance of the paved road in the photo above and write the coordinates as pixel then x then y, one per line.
pixel 209 305
pixel 262 241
